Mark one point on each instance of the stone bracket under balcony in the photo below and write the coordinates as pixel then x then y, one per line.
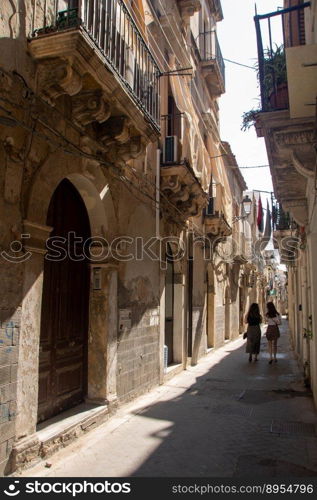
pixel 182 189
pixel 90 106
pixel 214 79
pixel 68 62
pixel 217 226
pixel 287 242
pixel 188 8
pixel 292 157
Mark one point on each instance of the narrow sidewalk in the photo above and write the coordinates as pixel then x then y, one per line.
pixel 225 417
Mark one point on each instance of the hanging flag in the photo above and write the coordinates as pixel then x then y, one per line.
pixel 268 227
pixel 260 216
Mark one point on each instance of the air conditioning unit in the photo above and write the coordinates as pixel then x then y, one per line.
pixel 170 149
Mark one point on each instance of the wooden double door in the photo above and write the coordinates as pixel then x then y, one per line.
pixel 65 305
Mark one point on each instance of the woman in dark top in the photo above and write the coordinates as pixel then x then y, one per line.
pixel 253 319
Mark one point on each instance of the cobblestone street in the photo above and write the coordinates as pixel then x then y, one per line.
pixel 225 417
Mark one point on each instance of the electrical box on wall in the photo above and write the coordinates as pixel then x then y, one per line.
pixel 97 278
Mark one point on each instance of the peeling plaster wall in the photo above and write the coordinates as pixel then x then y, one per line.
pixel 138 336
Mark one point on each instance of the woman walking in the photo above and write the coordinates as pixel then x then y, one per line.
pixel 253 319
pixel 272 332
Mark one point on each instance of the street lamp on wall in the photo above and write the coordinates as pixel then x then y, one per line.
pixel 246 209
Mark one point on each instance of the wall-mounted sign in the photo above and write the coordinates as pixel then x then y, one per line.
pixel 96 278
pixel 124 319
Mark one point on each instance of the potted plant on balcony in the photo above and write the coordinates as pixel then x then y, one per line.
pixel 274 85
pixel 249 118
pixel 275 78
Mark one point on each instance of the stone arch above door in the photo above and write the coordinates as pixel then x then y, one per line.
pixel 91 183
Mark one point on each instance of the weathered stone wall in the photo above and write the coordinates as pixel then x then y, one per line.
pixel 9 344
pixel 219 325
pixel 138 355
pixel 234 313
pixel 199 303
pixel 138 335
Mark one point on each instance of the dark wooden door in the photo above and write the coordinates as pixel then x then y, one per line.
pixel 65 304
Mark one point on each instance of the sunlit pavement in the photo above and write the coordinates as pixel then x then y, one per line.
pixel 225 417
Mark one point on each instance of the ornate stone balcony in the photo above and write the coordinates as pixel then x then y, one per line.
pixel 182 189
pixel 216 225
pixel 212 63
pixel 96 55
pixel 290 147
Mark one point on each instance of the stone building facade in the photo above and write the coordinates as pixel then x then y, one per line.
pixel 114 202
pixel 287 121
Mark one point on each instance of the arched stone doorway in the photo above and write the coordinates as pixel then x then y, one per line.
pixel 94 190
pixel 65 305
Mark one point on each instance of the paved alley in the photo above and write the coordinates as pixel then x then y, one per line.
pixel 225 417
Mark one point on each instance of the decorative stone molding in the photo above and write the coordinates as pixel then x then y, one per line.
pixel 35 236
pixel 56 76
pixel 298 209
pixel 300 167
pixel 14 154
pixel 188 8
pixel 216 9
pixel 130 150
pixel 90 106
pixel 182 189
pixel 116 129
pixel 217 226
pixel 294 138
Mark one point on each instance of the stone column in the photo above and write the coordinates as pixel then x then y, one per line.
pixel 28 362
pixel 179 317
pixel 103 327
pixel 211 315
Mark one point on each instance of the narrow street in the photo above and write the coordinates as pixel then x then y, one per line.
pixel 225 417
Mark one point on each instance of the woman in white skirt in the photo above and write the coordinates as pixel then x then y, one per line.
pixel 272 333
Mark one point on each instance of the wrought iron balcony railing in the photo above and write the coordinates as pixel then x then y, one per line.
pixel 116 35
pixel 272 72
pixel 282 221
pixel 209 50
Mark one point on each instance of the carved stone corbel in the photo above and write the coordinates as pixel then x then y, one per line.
pixel 183 189
pixel 57 76
pixel 115 129
pixel 188 8
pixel 89 106
pixel 170 183
pixel 298 209
pixel 130 150
pixel 300 167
